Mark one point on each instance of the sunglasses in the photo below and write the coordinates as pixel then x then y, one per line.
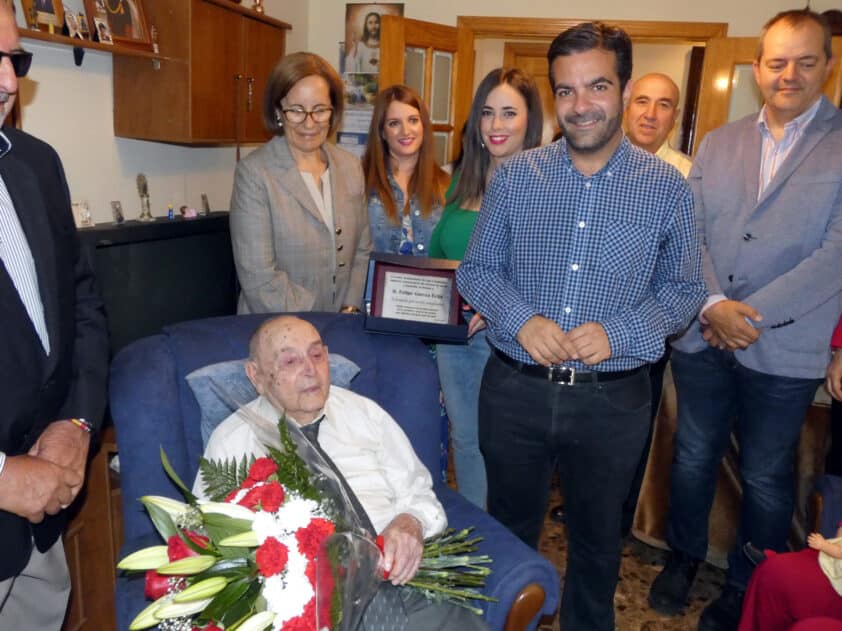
pixel 21 60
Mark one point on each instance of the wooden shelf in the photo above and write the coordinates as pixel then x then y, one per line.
pixel 251 13
pixel 63 40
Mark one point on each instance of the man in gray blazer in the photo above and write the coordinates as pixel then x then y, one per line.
pixel 768 194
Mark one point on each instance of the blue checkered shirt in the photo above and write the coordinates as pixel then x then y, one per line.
pixel 618 247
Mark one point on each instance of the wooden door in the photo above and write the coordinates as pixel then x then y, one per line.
pixel 263 46
pixel 531 57
pixel 423 55
pixel 728 91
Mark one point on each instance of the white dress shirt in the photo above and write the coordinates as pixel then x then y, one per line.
pixel 17 258
pixel 367 446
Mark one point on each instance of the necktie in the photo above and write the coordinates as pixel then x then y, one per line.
pixel 385 612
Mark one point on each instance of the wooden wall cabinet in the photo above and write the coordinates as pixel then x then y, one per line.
pixel 208 86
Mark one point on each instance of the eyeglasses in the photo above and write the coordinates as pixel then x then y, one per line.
pixel 296 116
pixel 21 60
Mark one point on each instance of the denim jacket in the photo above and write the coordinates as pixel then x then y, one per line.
pixel 393 238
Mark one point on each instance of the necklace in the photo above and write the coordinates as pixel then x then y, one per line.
pixel 119 9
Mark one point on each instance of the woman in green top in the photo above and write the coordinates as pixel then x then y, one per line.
pixel 506 118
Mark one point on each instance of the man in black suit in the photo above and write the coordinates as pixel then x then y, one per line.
pixel 53 363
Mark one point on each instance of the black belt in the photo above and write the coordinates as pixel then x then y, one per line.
pixel 563 374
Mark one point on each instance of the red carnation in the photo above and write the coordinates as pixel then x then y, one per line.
pixel 311 536
pixel 267 497
pixel 307 620
pixel 271 557
pixel 262 469
pixel 156 585
pixel 210 626
pixel 177 549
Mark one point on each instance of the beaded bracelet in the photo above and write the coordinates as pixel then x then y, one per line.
pixel 2 462
pixel 81 424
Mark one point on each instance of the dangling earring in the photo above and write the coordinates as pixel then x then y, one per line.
pixel 278 118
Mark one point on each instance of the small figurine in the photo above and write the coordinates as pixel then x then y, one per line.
pixel 258 6
pixel 170 214
pixel 205 204
pixel 143 191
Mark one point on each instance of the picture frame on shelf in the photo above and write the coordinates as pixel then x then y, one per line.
pixel 82 215
pixel 44 13
pixel 75 19
pixel 126 21
pixel 117 212
pixel 103 31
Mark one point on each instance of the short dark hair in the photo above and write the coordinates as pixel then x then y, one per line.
pixel 588 36
pixel 290 70
pixel 795 18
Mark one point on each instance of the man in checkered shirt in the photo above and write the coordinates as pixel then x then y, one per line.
pixel 583 260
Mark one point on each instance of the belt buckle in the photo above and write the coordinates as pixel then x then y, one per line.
pixel 563 375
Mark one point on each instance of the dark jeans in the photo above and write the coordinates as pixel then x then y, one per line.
pixel 833 462
pixel 715 396
pixel 596 434
pixel 656 380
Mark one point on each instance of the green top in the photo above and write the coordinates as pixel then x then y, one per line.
pixel 453 231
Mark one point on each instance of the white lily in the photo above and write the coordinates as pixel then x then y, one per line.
pixel 234 511
pixel 258 622
pixel 146 559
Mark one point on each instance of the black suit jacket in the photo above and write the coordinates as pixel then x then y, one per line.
pixel 36 389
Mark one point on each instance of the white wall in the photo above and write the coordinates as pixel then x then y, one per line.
pixel 71 108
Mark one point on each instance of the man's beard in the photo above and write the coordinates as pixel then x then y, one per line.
pixel 596 143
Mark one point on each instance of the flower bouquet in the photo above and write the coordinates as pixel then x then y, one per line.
pixel 279 546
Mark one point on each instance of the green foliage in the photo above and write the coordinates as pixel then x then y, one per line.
pixel 220 477
pixel 161 520
pixel 165 462
pixel 292 470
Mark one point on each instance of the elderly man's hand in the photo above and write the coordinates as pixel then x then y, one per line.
pixel 32 487
pixel 545 341
pixel 727 322
pixel 66 445
pixel 476 324
pixel 403 545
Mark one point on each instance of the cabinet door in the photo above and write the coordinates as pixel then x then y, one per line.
pixel 216 76
pixel 263 46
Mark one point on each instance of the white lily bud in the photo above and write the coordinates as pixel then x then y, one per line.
pixel 234 511
pixel 258 622
pixel 207 588
pixel 147 617
pixel 173 508
pixel 246 539
pixel 189 565
pixel 146 559
pixel 177 610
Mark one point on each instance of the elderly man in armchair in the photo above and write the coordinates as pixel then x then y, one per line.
pixel 288 365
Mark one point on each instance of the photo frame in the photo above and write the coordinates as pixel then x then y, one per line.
pixel 82 215
pixel 125 21
pixel 40 13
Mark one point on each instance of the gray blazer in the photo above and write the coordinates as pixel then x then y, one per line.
pixel 287 258
pixel 782 253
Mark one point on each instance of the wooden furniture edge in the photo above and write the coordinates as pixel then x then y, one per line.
pixel 526 605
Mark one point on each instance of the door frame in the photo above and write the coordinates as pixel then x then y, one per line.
pixel 471 28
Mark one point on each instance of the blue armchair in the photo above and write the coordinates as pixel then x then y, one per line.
pixel 153 407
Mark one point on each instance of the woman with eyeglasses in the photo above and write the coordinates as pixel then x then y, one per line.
pixel 505 118
pixel 403 184
pixel 299 227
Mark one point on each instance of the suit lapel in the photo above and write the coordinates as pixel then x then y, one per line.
pixel 816 130
pixel 32 214
pixel 751 162
pixel 293 180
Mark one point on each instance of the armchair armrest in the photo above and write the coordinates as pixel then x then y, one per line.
pixel 524 583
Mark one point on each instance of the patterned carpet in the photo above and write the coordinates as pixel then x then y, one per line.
pixel 641 564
